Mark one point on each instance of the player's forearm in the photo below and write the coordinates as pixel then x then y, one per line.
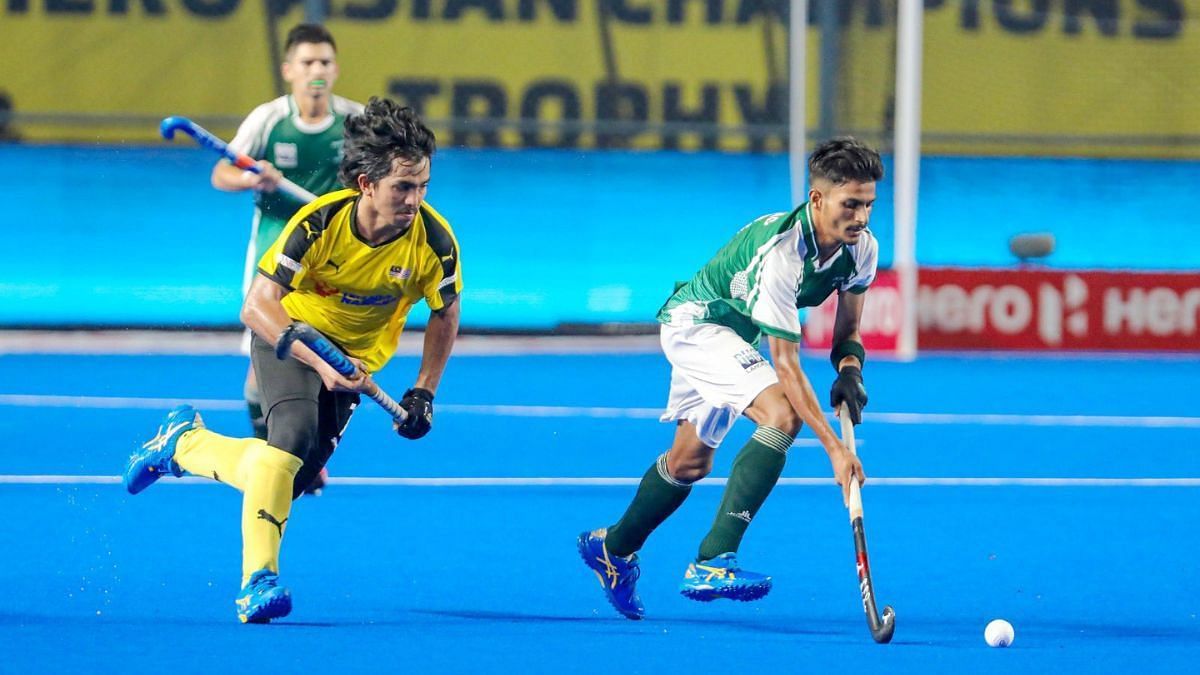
pixel 263 313
pixel 228 177
pixel 440 334
pixel 846 326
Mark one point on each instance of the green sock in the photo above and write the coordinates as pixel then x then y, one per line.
pixel 755 471
pixel 657 498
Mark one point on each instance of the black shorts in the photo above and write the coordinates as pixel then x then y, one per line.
pixel 303 417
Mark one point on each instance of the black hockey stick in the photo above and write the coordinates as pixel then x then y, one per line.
pixel 881 627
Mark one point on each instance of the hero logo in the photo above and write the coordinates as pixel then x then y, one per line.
pixel 1059 308
pixel 1008 309
pixel 1071 310
pixel 1159 311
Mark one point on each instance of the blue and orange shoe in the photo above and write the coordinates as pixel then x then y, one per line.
pixel 721 577
pixel 618 576
pixel 263 599
pixel 156 457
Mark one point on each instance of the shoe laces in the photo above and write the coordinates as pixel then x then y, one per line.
pixel 262 583
pixel 164 435
pixel 720 572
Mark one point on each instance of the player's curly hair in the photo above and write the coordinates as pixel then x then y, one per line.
pixel 384 132
pixel 843 159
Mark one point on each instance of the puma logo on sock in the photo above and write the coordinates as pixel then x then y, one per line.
pixel 263 515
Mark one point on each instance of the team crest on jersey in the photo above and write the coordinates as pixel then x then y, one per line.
pixel 398 272
pixel 750 359
pixel 286 156
pixel 324 290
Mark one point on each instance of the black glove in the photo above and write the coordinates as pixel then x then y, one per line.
pixel 418 403
pixel 848 388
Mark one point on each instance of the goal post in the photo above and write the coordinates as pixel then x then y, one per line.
pixel 890 320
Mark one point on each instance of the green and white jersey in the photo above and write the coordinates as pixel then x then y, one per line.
pixel 306 154
pixel 758 282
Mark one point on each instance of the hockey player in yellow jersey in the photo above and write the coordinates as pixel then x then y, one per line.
pixel 351 264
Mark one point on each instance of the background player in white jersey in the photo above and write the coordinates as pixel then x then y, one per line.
pixel 711 325
pixel 299 137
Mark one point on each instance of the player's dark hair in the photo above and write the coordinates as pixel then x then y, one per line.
pixel 384 132
pixel 308 33
pixel 843 159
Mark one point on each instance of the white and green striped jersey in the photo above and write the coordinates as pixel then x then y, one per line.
pixel 770 269
pixel 306 154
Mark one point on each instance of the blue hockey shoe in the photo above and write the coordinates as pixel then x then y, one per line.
pixel 263 599
pixel 721 577
pixel 156 457
pixel 618 576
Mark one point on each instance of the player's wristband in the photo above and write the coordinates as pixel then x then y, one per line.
pixel 847 348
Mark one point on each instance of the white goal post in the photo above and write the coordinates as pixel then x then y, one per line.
pixel 907 147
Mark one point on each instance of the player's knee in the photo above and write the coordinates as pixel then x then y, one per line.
pixel 689 469
pixel 783 418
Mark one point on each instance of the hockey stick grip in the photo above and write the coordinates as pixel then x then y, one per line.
pixel 856 507
pixel 330 354
pixel 207 140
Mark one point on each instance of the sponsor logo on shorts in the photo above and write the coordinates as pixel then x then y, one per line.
pixel 750 358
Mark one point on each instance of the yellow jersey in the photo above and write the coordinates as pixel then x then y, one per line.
pixel 356 294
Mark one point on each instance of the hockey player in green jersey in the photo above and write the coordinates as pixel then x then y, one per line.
pixel 711 326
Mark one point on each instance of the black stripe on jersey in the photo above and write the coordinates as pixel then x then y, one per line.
pixel 302 238
pixel 439 239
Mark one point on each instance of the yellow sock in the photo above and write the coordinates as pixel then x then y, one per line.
pixel 204 453
pixel 268 473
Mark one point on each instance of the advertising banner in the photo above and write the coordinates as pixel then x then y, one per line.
pixel 1042 77
pixel 1058 310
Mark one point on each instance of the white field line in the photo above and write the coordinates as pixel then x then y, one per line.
pixel 64 479
pixel 601 412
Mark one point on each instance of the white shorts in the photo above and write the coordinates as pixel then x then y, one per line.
pixel 715 376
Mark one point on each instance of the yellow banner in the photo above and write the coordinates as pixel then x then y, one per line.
pixel 1118 77
pixel 1091 77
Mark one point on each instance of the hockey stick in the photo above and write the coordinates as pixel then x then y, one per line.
pixel 170 125
pixel 330 354
pixel 881 627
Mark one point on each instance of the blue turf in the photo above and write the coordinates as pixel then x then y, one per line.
pixel 470 579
